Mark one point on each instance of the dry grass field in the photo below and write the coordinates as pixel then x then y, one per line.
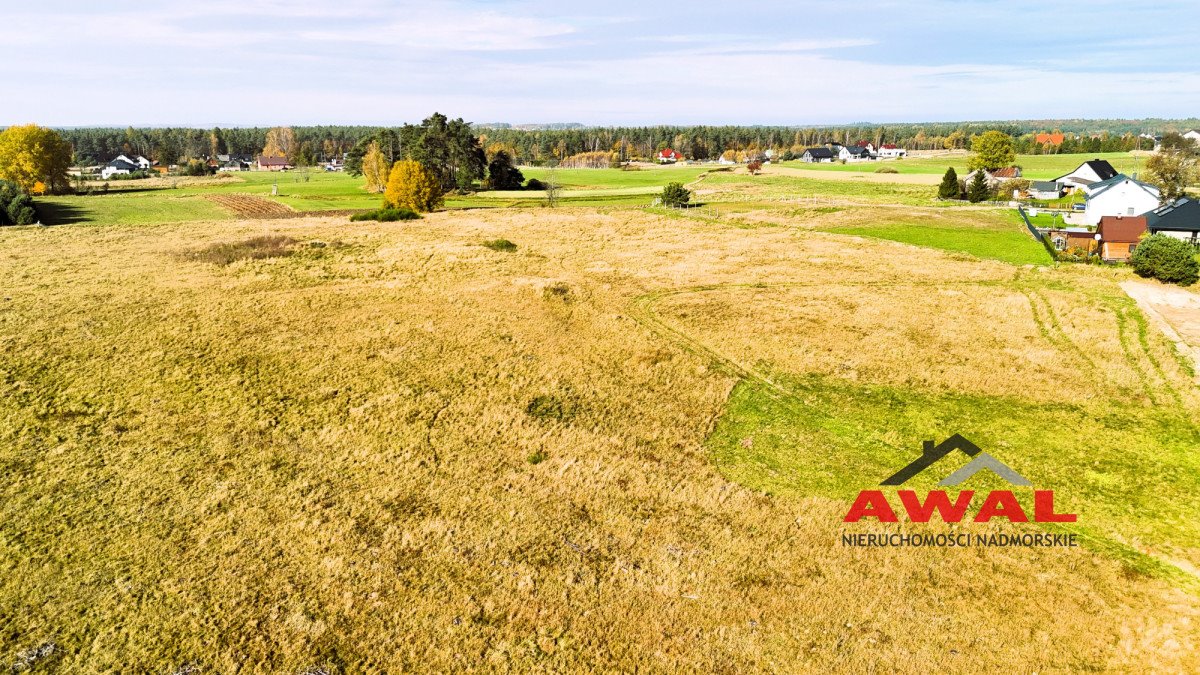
pixel 625 444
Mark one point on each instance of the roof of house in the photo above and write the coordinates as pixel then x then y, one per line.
pixel 1044 186
pixel 857 150
pixel 272 161
pixel 1007 172
pixel 1052 139
pixel 819 152
pixel 121 163
pixel 1121 229
pixel 1101 168
pixel 1100 187
pixel 668 152
pixel 863 144
pixel 1181 214
pixel 888 146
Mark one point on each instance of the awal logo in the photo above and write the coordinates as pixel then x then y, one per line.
pixel 997 504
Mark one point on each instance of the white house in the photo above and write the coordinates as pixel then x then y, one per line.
pixel 668 156
pixel 1045 189
pixel 854 153
pixel 1193 136
pixel 1119 196
pixel 889 151
pixel 1093 171
pixel 123 166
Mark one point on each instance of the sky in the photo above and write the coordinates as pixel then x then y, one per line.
pixel 629 62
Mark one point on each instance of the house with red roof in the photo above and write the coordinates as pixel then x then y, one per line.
pixel 668 156
pixel 1050 139
pixel 889 151
pixel 1119 236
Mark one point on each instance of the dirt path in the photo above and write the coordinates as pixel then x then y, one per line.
pixel 1175 311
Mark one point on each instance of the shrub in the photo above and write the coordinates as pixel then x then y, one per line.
pixel 534 184
pixel 557 291
pixel 674 194
pixel 886 169
pixel 255 248
pixel 387 214
pixel 16 207
pixel 978 190
pixel 550 407
pixel 1166 259
pixel 194 167
pixel 500 245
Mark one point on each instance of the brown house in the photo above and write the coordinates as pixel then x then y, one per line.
pixel 1119 236
pixel 273 163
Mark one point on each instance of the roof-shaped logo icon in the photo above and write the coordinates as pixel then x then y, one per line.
pixel 979 461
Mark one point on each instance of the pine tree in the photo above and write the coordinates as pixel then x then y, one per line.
pixel 949 188
pixel 978 190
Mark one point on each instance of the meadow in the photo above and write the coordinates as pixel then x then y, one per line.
pixel 576 439
pixel 1033 167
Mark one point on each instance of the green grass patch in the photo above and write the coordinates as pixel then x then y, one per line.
pixel 1010 244
pixel 1129 472
pixel 1034 167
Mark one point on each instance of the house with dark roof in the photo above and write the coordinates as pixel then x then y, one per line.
pixel 854 153
pixel 1092 171
pixel 1119 196
pixel 812 155
pixel 124 165
pixel 1045 189
pixel 1179 219
pixel 1119 236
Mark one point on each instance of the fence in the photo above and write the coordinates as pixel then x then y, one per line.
pixel 1037 234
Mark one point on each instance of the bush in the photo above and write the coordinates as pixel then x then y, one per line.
pixel 388 214
pixel 534 184
pixel 1166 259
pixel 886 169
pixel 674 194
pixel 16 207
pixel 410 185
pixel 500 245
pixel 194 167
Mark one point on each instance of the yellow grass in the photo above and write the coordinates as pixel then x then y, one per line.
pixel 394 449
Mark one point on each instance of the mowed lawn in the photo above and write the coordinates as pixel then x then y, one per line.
pixel 993 235
pixel 1034 167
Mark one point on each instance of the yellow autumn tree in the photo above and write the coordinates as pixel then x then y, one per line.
pixel 281 142
pixel 375 168
pixel 412 186
pixel 30 155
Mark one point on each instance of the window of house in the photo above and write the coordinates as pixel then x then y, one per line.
pixel 1060 244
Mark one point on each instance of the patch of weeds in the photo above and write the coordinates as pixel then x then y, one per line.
pixel 503 245
pixel 550 407
pixel 537 457
pixel 386 215
pixel 558 290
pixel 254 248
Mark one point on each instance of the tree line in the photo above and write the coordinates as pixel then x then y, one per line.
pixel 312 144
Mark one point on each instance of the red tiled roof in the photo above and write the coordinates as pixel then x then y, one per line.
pixel 669 153
pixel 1007 172
pixel 1052 139
pixel 1121 229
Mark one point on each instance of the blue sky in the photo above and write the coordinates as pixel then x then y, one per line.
pixel 270 62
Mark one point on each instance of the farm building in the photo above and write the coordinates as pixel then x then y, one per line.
pixel 1119 196
pixel 1092 171
pixel 1119 236
pixel 1179 219
pixel 889 151
pixel 668 156
pixel 1045 189
pixel 1192 135
pixel 996 177
pixel 812 155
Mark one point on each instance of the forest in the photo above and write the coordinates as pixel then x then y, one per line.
pixel 546 146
